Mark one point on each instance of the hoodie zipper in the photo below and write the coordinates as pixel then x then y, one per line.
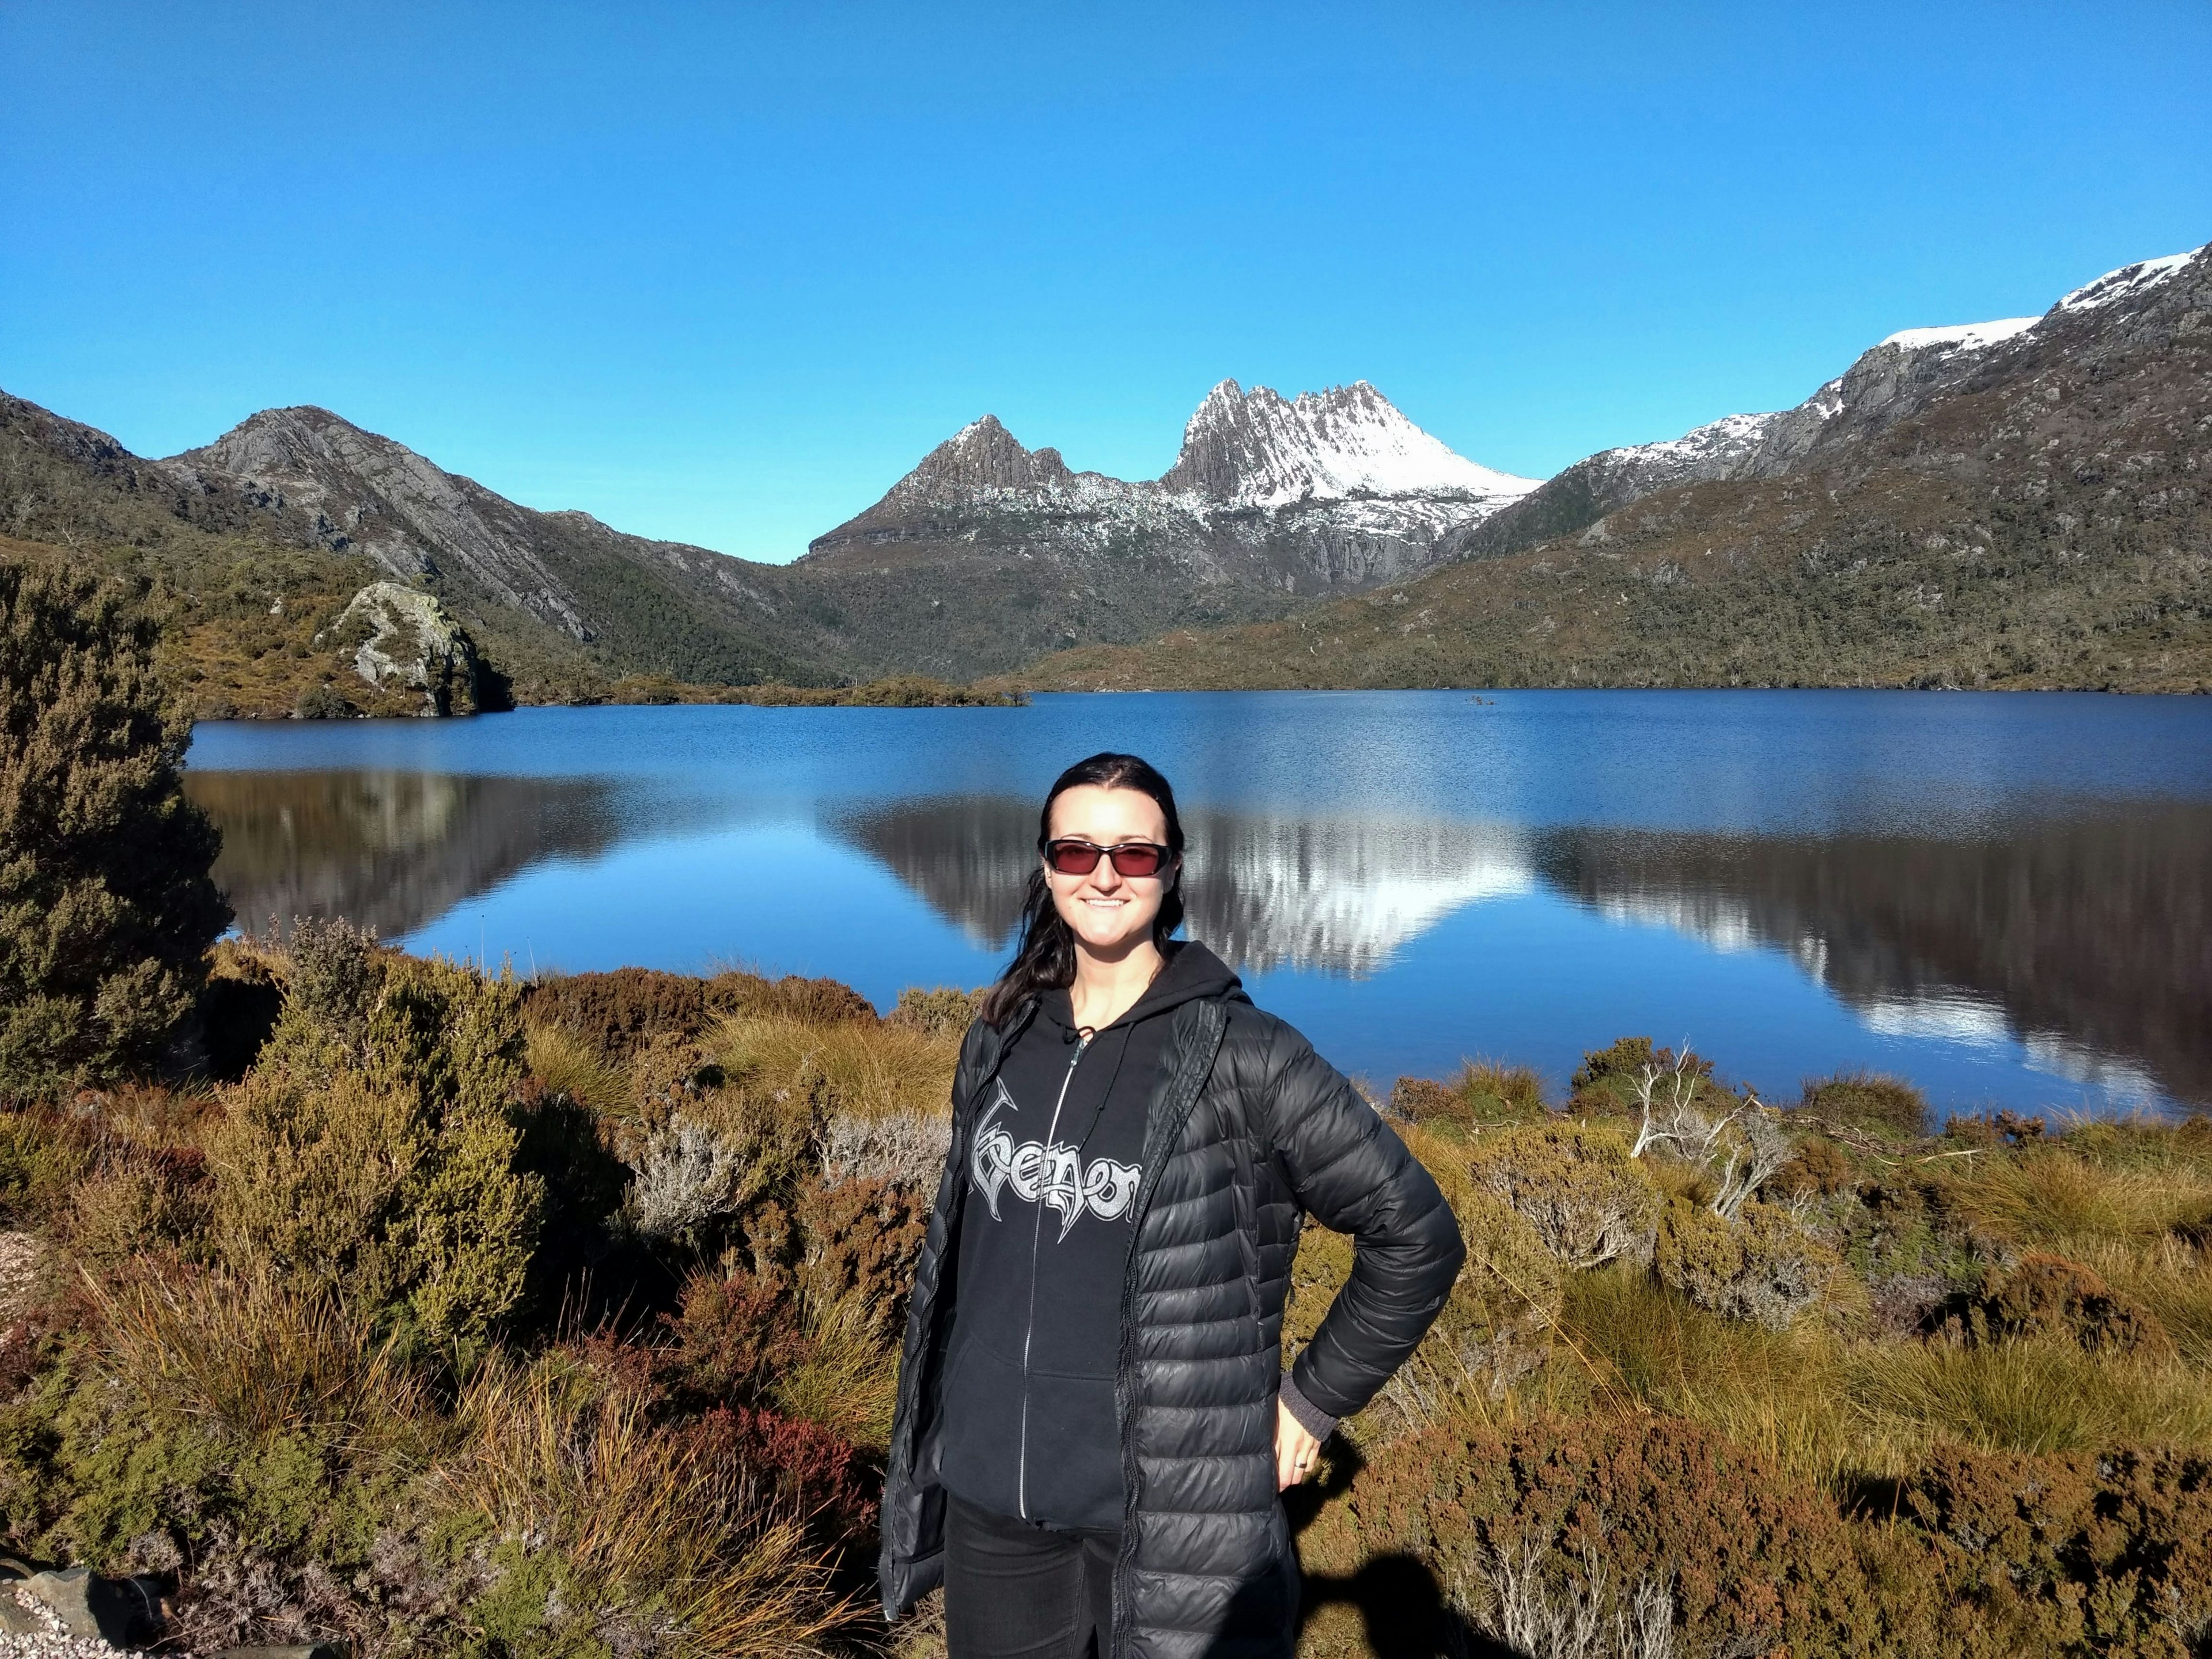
pixel 1036 1252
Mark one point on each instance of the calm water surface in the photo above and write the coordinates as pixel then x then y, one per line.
pixel 2007 898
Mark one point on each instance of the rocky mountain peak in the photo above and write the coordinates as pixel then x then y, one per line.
pixel 981 457
pixel 1259 449
pixel 281 442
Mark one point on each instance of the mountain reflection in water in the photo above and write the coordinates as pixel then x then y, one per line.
pixel 1336 896
pixel 390 850
pixel 2088 939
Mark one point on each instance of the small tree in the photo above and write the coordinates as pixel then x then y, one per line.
pixel 105 908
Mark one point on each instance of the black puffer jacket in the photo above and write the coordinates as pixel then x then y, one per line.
pixel 1250 1130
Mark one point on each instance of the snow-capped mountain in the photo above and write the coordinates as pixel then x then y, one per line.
pixel 1270 501
pixel 1891 381
pixel 1259 449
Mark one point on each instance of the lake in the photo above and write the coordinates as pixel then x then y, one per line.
pixel 2006 898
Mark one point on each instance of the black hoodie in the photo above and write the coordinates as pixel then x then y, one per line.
pixel 1053 1165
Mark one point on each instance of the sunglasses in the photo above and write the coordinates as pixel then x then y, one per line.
pixel 1131 858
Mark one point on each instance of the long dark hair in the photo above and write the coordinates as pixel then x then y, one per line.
pixel 1045 958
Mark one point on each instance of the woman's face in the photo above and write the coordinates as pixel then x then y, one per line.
pixel 1108 912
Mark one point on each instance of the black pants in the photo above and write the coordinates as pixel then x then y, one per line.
pixel 1013 1590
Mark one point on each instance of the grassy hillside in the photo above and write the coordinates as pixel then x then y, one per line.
pixel 471 1316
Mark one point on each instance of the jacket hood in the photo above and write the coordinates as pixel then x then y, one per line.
pixel 1191 971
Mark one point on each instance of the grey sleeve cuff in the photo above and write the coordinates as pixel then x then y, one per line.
pixel 1311 1418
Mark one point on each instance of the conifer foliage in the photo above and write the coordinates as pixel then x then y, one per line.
pixel 106 909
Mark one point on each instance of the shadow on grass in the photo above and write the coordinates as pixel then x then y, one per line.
pixel 1400 1600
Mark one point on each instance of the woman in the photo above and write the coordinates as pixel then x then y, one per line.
pixel 1093 1426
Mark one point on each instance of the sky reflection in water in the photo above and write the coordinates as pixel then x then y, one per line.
pixel 2007 898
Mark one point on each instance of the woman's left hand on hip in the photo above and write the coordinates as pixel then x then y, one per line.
pixel 1297 1452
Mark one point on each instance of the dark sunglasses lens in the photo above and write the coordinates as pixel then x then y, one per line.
pixel 1137 860
pixel 1071 858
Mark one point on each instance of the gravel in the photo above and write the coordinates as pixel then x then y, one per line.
pixel 51 1641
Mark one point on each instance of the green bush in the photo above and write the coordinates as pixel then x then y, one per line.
pixel 1484 1094
pixel 388 1170
pixel 946 1011
pixel 1879 1104
pixel 324 702
pixel 1587 1199
pixel 105 908
pixel 1762 1267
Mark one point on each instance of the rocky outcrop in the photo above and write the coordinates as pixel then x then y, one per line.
pixel 402 640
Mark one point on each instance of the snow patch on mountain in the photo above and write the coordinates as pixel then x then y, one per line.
pixel 2128 282
pixel 1961 337
pixel 1729 436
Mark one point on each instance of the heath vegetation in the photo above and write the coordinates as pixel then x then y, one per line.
pixel 346 1295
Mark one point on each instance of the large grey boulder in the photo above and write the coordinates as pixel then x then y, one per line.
pixel 403 640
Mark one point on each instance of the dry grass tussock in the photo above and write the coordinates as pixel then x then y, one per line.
pixel 2034 1394
pixel 659 1551
pixel 2057 1199
pixel 251 1357
pixel 850 1068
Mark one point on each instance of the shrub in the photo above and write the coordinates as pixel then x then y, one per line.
pixel 1497 1093
pixel 944 1011
pixel 1819 1169
pixel 614 1013
pixel 324 702
pixel 1881 1105
pixel 1587 1199
pixel 690 1173
pixel 1424 1100
pixel 861 1241
pixel 2074 1553
pixel 905 1149
pixel 1606 1513
pixel 332 975
pixel 808 1001
pixel 106 909
pixel 1606 1080
pixel 1762 1267
pixel 136 1204
pixel 388 1172
pixel 1484 1093
pixel 2048 1295
pixel 1624 1057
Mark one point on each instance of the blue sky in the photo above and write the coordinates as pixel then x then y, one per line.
pixel 722 273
